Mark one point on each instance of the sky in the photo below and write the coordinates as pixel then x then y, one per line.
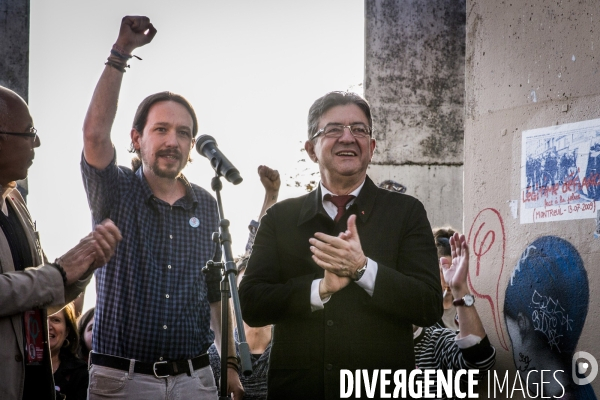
pixel 251 69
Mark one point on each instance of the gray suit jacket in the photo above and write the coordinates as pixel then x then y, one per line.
pixel 40 286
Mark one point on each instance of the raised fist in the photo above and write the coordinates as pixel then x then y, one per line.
pixel 135 31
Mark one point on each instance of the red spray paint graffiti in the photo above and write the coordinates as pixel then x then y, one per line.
pixel 487 238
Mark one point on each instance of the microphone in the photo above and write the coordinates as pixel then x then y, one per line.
pixel 207 146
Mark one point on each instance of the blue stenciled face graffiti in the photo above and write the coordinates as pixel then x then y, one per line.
pixel 545 308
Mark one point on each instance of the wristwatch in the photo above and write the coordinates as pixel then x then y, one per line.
pixel 360 272
pixel 468 300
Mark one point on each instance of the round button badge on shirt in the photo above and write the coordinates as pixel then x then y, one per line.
pixel 194 222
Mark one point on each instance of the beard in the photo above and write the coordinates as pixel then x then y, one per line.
pixel 162 172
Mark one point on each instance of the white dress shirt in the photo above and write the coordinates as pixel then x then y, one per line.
pixel 367 281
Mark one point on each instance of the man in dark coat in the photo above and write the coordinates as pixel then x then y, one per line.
pixel 344 271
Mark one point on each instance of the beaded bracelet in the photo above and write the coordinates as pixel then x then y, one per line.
pixel 117 66
pixel 119 52
pixel 120 55
pixel 61 270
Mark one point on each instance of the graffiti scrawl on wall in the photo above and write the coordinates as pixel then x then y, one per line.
pixel 488 243
pixel 560 172
pixel 545 308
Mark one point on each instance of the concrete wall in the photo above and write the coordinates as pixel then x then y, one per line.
pixel 530 64
pixel 14 46
pixel 14 53
pixel 414 80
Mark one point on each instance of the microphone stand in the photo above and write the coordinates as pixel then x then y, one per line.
pixel 228 284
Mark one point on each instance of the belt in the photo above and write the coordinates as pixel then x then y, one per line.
pixel 160 369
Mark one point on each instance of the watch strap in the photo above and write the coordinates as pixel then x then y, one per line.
pixel 467 300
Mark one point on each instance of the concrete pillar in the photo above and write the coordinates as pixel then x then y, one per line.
pixel 14 46
pixel 414 81
pixel 532 65
pixel 14 52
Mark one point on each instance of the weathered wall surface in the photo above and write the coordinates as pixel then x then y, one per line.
pixel 414 81
pixel 530 64
pixel 14 45
pixel 14 53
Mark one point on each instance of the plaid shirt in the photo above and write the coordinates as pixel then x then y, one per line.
pixel 152 297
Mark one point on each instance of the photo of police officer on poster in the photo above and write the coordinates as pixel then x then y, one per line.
pixel 560 172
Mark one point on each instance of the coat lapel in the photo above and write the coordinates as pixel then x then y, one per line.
pixel 311 206
pixel 28 225
pixel 365 202
pixel 6 261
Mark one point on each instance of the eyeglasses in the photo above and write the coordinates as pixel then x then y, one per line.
pixel 32 133
pixel 334 131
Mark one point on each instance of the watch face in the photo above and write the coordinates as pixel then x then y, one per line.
pixel 469 300
pixel 360 273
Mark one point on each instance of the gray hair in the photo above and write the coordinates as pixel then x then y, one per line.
pixel 333 99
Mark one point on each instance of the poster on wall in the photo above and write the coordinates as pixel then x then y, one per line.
pixel 560 172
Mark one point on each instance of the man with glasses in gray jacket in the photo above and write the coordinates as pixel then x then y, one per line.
pixel 30 286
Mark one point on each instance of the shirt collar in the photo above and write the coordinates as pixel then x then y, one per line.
pixel 190 198
pixel 4 191
pixel 329 207
pixel 354 193
pixel 187 201
pixel 364 202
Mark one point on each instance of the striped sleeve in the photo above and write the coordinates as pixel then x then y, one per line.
pixel 436 349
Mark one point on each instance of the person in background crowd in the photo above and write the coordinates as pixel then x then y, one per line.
pixel 393 186
pixel 271 183
pixel 258 339
pixel 442 238
pixel 440 348
pixel 70 372
pixel 85 326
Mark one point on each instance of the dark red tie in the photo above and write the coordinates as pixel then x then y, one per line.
pixel 340 202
